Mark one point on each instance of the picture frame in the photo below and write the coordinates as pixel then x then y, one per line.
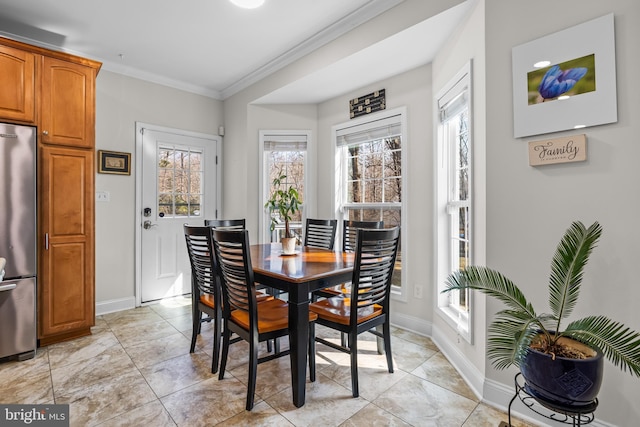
pixel 587 47
pixel 114 162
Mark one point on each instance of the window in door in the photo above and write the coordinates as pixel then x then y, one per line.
pixel 180 192
pixel 284 152
pixel 454 203
pixel 369 179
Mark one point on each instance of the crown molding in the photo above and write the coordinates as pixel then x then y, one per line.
pixel 321 38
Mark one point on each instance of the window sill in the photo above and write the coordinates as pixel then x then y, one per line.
pixel 458 323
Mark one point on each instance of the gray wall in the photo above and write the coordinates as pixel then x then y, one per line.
pixel 120 102
pixel 528 208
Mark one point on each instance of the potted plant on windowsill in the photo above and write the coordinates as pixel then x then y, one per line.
pixel 561 366
pixel 286 202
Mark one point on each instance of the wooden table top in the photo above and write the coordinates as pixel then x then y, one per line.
pixel 307 264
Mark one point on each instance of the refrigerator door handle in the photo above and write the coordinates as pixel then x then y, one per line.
pixel 8 287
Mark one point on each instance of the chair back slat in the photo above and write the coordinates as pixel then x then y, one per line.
pixel 376 252
pixel 226 224
pixel 201 257
pixel 350 231
pixel 234 265
pixel 320 233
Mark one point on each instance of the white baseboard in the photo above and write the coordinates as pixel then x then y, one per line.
pixel 412 324
pixel 473 377
pixel 114 305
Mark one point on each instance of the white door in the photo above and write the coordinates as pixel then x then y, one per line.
pixel 179 186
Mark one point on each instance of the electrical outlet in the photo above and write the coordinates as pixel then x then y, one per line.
pixel 103 196
pixel 417 291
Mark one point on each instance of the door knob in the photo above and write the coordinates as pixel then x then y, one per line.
pixel 147 225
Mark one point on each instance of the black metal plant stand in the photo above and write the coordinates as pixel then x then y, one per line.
pixel 566 414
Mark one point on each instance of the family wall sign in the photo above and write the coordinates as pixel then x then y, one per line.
pixel 558 150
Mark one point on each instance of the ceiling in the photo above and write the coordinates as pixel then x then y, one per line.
pixel 216 49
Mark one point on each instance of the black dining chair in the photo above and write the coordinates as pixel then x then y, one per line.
pixel 320 233
pixel 367 305
pixel 205 291
pixel 350 229
pixel 205 287
pixel 235 225
pixel 242 315
pixel 349 232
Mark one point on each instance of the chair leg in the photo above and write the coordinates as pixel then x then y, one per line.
pixel 343 339
pixel 195 328
pixel 226 335
pixel 312 351
pixel 387 345
pixel 353 349
pixel 253 372
pixel 215 360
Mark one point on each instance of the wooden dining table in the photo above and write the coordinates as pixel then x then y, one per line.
pixel 307 270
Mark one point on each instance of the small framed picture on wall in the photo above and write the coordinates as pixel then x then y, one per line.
pixel 114 162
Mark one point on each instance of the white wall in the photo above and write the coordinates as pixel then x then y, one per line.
pixel 120 102
pixel 529 208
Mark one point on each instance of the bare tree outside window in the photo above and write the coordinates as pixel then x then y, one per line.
pixel 291 164
pixel 374 180
pixel 180 177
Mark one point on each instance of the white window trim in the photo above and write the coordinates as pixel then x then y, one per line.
pixel 339 193
pixel 460 321
pixel 309 183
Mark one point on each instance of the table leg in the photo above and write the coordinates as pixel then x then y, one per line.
pixel 299 343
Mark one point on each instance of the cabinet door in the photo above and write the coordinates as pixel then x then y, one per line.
pixel 66 282
pixel 67 104
pixel 17 85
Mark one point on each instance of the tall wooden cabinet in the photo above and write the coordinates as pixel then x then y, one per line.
pixel 56 92
pixel 66 281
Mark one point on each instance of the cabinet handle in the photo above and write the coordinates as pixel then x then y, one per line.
pixel 45 132
pixel 46 241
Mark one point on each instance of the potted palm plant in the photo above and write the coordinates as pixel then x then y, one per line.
pixel 286 202
pixel 559 365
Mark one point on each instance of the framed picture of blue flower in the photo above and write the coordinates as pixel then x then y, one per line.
pixel 565 80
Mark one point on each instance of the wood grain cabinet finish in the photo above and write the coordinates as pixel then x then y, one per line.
pixel 66 282
pixel 67 104
pixel 56 92
pixel 17 85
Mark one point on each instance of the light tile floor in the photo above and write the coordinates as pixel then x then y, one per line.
pixel 136 370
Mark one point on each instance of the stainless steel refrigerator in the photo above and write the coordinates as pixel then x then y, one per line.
pixel 18 241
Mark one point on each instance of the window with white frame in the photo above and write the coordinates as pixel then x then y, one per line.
pixel 369 180
pixel 180 179
pixel 283 152
pixel 454 203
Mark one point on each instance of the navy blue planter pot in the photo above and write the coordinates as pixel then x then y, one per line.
pixel 573 382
